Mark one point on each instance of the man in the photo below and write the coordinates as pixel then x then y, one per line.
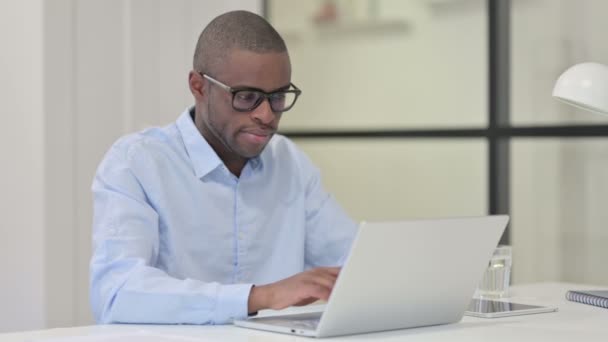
pixel 215 217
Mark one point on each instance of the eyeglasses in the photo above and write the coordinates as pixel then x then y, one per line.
pixel 247 99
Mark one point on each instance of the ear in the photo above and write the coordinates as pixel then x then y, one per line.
pixel 197 85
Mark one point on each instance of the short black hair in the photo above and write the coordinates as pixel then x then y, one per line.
pixel 237 29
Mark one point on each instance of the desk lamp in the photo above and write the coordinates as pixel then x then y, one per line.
pixel 584 86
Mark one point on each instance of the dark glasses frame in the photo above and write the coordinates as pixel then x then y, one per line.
pixel 263 95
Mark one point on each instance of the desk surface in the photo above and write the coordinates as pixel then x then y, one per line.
pixel 573 322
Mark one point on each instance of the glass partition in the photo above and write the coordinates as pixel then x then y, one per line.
pixel 385 64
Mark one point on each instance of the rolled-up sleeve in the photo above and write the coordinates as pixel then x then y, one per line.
pixel 125 285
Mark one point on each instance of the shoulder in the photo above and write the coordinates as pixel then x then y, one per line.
pixel 282 148
pixel 284 152
pixel 280 144
pixel 149 143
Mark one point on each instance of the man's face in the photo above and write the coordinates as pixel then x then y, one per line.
pixel 243 135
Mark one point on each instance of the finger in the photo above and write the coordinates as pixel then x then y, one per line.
pixel 326 273
pixel 330 270
pixel 318 292
pixel 322 279
pixel 306 301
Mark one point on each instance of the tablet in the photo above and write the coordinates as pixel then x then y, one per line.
pixel 491 309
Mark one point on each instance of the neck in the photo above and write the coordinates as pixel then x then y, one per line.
pixel 234 165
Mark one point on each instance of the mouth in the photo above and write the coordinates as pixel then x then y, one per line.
pixel 257 136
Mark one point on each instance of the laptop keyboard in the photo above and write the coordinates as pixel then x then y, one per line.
pixel 309 324
pixel 308 321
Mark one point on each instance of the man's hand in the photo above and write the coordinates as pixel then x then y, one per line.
pixel 300 289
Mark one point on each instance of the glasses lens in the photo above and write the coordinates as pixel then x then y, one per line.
pixel 280 101
pixel 246 99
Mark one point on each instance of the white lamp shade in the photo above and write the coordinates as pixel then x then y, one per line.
pixel 585 86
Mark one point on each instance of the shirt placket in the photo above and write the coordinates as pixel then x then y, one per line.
pixel 241 224
pixel 234 184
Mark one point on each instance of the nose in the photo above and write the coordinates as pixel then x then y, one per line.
pixel 263 113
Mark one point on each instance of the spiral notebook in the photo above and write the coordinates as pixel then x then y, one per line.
pixel 596 298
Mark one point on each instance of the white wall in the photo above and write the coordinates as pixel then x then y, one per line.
pixel 77 75
pixel 59 162
pixel 22 168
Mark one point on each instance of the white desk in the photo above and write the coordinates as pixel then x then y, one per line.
pixel 573 322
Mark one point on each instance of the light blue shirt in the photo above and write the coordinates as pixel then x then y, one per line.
pixel 177 238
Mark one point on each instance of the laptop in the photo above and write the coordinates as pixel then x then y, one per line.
pixel 400 275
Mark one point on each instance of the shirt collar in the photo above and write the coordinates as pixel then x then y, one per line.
pixel 203 157
pixel 256 162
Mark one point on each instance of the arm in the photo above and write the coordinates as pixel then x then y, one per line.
pixel 329 234
pixel 126 286
pixel 329 230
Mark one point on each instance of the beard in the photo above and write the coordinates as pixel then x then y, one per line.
pixel 225 143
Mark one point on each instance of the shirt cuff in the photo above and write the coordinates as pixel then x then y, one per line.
pixel 232 303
